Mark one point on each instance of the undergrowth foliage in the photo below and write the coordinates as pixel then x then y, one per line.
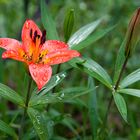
pixel 34 115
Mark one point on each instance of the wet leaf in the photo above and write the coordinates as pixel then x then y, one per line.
pixel 93 69
pixel 55 80
pixel 7 129
pixel 133 92
pixel 121 105
pixel 93 110
pixel 130 79
pixel 11 95
pixel 38 123
pixel 62 96
pixel 83 33
pixel 92 38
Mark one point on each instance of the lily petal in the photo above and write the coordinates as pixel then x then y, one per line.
pixel 60 56
pixel 28 31
pixel 54 45
pixel 14 55
pixel 10 44
pixel 40 73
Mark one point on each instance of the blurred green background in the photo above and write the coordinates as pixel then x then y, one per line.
pixel 13 13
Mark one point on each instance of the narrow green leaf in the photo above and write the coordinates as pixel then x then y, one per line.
pixel 130 79
pixel 92 106
pixel 133 92
pixel 121 105
pixel 11 95
pixel 93 69
pixel 83 33
pixel 48 22
pixel 38 123
pixel 68 24
pixel 7 129
pixel 120 60
pixel 92 38
pixel 62 96
pixel 55 80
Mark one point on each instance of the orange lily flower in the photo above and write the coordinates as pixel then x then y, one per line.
pixel 36 52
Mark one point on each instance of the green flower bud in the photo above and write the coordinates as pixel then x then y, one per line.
pixel 133 33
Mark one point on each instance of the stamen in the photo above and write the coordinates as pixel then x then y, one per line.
pixel 38 36
pixel 31 32
pixel 43 38
pixel 35 35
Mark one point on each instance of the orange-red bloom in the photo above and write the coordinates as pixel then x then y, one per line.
pixel 36 52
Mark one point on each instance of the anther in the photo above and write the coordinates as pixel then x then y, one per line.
pixel 31 32
pixel 38 36
pixel 43 38
pixel 35 35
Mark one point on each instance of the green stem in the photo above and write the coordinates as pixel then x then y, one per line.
pixel 115 88
pixel 26 106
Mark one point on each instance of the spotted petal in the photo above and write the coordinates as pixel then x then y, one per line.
pixel 40 73
pixel 60 56
pixel 28 30
pixel 10 44
pixel 54 45
pixel 13 55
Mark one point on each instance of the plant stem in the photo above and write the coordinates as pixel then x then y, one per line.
pixel 25 109
pixel 117 84
pixel 115 88
pixel 121 72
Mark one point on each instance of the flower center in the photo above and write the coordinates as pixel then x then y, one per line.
pixel 37 42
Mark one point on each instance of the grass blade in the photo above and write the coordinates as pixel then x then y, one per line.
pixel 7 129
pixel 121 105
pixel 93 112
pixel 48 22
pixel 11 95
pixel 38 123
pixel 130 79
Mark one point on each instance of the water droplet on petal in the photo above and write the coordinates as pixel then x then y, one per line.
pixel 34 74
pixel 46 74
pixel 34 67
pixel 27 25
pixel 40 83
pixel 44 78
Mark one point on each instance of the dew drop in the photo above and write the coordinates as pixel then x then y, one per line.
pixel 63 75
pixel 46 74
pixel 44 78
pixel 59 98
pixel 62 95
pixel 41 83
pixel 34 67
pixel 57 78
pixel 27 25
pixel 34 74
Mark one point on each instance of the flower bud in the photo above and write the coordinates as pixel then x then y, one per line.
pixel 133 33
pixel 68 24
